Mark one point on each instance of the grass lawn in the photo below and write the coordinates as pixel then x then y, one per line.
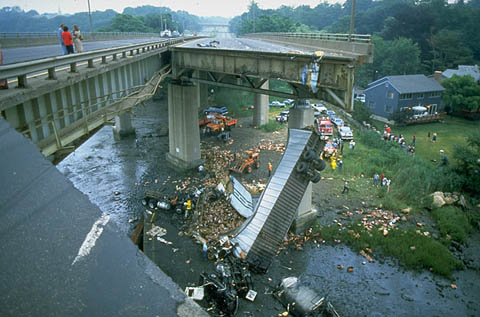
pixel 451 132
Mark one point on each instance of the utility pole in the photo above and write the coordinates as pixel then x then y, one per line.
pixel 352 21
pixel 90 16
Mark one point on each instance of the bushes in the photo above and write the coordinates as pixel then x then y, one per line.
pixel 271 126
pixel 451 220
pixel 412 177
pixel 410 247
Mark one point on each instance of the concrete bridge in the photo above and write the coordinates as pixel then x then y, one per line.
pixel 58 100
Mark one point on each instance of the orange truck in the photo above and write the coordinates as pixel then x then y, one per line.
pixel 220 124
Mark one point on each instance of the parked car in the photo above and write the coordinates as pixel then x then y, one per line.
pixel 277 103
pixel 289 101
pixel 330 112
pixel 219 110
pixel 360 97
pixel 283 116
pixel 320 107
pixel 338 122
pixel 345 133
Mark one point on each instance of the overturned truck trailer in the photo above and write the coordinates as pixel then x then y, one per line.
pixel 259 238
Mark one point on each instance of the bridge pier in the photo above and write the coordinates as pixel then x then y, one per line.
pixel 123 126
pixel 260 112
pixel 300 117
pixel 184 133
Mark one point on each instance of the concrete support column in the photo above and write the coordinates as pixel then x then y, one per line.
pixel 123 126
pixel 184 134
pixel 348 98
pixel 302 116
pixel 260 112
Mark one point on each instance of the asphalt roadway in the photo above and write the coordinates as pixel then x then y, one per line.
pixel 23 54
pixel 61 256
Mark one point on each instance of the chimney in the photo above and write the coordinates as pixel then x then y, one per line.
pixel 437 76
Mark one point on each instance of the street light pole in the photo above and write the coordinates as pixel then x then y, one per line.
pixel 90 16
pixel 352 21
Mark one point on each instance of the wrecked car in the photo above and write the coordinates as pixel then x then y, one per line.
pixel 300 300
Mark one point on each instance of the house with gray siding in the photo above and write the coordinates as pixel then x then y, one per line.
pixel 390 94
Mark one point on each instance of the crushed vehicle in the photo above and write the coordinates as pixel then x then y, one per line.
pixel 324 127
pixel 213 43
pixel 230 281
pixel 261 235
pixel 247 163
pixel 345 133
pixel 300 300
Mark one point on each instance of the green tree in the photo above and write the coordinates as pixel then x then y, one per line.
pixel 129 23
pixel 462 93
pixel 468 163
pixel 448 50
pixel 398 57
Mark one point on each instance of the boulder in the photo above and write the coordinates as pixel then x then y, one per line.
pixel 407 210
pixel 438 200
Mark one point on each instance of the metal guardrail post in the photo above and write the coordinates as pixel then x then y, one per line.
pixel 51 73
pixel 124 54
pixel 114 57
pixel 22 81
pixel 104 59
pixel 73 67
pixel 90 63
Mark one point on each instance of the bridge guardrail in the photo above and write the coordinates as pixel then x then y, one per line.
pixel 362 38
pixel 4 35
pixel 21 70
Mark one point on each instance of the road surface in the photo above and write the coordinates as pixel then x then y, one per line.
pixel 23 54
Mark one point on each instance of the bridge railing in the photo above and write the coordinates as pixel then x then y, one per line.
pixel 361 38
pixel 48 66
pixel 5 35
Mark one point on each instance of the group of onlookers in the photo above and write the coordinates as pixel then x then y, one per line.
pixel 68 40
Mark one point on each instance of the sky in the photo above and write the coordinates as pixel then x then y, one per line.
pixel 225 8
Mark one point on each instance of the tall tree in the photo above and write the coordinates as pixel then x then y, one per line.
pixel 461 93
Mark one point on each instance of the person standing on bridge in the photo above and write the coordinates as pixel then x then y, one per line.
pixel 60 39
pixel 77 39
pixel 67 40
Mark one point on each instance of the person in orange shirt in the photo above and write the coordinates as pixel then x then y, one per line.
pixel 270 167
pixel 67 40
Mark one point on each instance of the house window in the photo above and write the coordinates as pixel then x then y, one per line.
pixel 388 108
pixel 390 94
pixel 420 96
pixel 406 96
pixel 435 94
pixel 371 104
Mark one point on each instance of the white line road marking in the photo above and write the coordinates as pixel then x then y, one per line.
pixel 92 237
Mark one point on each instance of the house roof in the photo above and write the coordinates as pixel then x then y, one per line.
pixel 406 84
pixel 463 70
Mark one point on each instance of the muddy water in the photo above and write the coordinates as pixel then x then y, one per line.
pixel 101 167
